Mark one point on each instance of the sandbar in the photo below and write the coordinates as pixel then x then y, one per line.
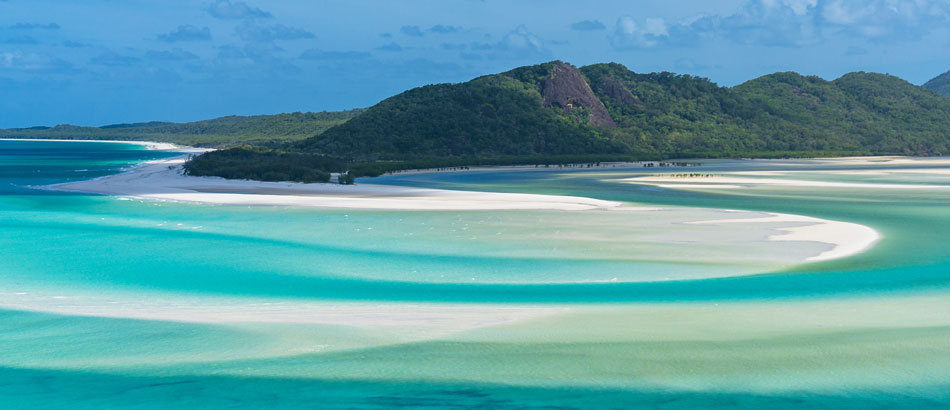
pixel 164 180
pixel 734 182
pixel 846 237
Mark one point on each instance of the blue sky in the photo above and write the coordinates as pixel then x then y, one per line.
pixel 96 62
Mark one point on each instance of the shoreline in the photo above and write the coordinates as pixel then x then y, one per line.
pixel 847 238
pixel 164 180
pixel 149 145
pixel 549 167
pixel 672 163
pixel 738 182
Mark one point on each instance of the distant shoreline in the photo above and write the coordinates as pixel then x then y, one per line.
pixel 150 145
pixel 548 167
pixel 164 180
pixel 675 162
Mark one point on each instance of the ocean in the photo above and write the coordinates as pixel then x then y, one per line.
pixel 122 303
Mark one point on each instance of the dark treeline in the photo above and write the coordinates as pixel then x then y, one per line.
pixel 377 168
pixel 264 164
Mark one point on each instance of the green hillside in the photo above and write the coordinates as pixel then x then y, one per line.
pixel 665 114
pixel 218 132
pixel 940 84
pixel 859 111
pixel 554 112
pixel 488 116
pixel 516 113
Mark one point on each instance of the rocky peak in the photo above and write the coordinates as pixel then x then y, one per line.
pixel 613 89
pixel 566 88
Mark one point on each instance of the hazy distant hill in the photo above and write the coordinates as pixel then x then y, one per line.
pixel 218 132
pixel 940 84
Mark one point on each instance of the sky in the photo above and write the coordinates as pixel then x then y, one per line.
pixel 98 62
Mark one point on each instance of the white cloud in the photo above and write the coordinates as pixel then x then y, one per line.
pixel 884 19
pixel 799 7
pixel 522 39
pixel 629 34
pixel 792 23
pixel 655 27
pixel 224 9
pixel 516 45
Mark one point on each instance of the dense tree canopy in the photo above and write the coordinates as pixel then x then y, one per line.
pixel 507 118
pixel 940 84
pixel 659 113
pixel 489 116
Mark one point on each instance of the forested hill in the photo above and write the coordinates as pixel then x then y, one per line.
pixel 218 132
pixel 555 112
pixel 554 108
pixel 878 113
pixel 527 111
pixel 940 84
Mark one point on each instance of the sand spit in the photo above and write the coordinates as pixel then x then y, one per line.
pixel 734 182
pixel 164 180
pixel 847 238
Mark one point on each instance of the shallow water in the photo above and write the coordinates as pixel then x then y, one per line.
pixel 123 303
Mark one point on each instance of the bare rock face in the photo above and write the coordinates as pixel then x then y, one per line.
pixel 566 88
pixel 616 91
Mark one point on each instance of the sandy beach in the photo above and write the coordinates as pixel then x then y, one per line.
pixel 847 238
pixel 164 180
pixel 737 182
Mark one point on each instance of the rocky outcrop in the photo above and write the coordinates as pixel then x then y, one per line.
pixel 566 88
pixel 614 90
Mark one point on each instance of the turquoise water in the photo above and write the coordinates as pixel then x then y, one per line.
pixel 124 303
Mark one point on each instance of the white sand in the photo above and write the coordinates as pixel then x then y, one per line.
pixel 163 180
pixel 847 238
pixel 211 309
pixel 890 160
pixel 733 182
pixel 157 146
pixel 861 172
